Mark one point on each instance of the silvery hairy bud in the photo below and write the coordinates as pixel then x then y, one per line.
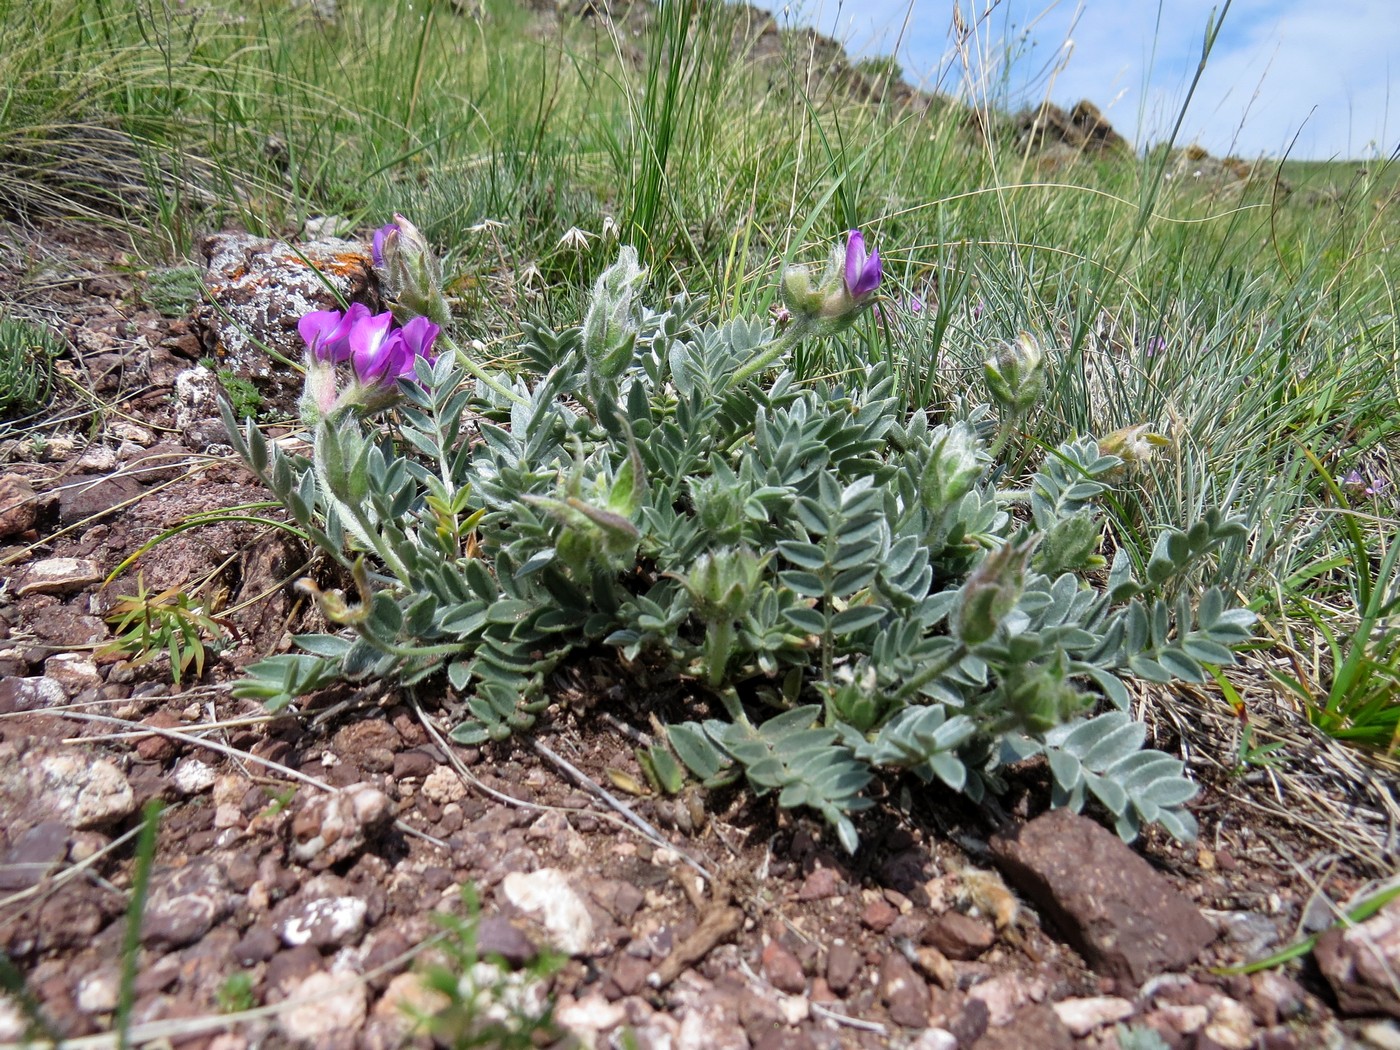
pixel 1015 374
pixel 608 330
pixel 412 274
pixel 992 591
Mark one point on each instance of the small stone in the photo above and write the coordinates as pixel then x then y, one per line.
pixel 83 792
pixel 820 884
pixel 497 937
pixel 1230 1024
pixel 904 992
pixel 935 1039
pixel 1361 961
pixel 323 922
pixel 1384 1035
pixel 549 896
pixel 591 1016
pixel 73 671
pixel 843 963
pixel 96 459
pixel 959 936
pixel 1035 1026
pixel 325 1007
pixel 330 828
pixel 443 785
pixel 87 497
pixel 191 776
pixel 1005 994
pixel 124 430
pixel 934 965
pixel 1082 1016
pixel 405 1000
pixel 878 915
pixel 97 991
pixel 782 969
pixel 34 855
pixel 185 903
pixel 30 694
pixel 259 944
pixel 59 576
pixel 18 507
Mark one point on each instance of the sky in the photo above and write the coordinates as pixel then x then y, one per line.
pixel 1308 78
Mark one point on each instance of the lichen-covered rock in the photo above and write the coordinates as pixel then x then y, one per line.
pixel 259 289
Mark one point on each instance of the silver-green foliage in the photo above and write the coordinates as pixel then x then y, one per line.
pixel 842 579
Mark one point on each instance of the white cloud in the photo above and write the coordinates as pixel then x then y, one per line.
pixel 1317 69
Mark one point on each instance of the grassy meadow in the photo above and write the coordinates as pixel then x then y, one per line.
pixel 1252 322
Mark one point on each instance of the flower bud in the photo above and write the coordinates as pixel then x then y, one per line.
pixel 411 271
pixel 953 468
pixel 1045 698
pixel 608 328
pixel 721 583
pixel 1071 545
pixel 1015 374
pixel 992 591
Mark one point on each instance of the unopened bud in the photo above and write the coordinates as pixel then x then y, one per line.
pixel 412 273
pixel 953 468
pixel 608 329
pixel 992 590
pixel 1015 374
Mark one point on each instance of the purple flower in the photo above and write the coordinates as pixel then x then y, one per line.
pixel 1359 484
pixel 381 354
pixel 376 248
pixel 863 272
pixel 1155 346
pixel 327 332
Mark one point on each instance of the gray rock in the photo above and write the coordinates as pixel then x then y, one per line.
pixel 1034 1027
pixel 1121 915
pixel 325 1006
pixel 548 895
pixel 74 672
pixel 66 785
pixel 185 903
pixel 496 936
pixel 1082 1016
pixel 1360 963
pixel 257 291
pixel 34 855
pixel 30 694
pixel 92 496
pixel 322 922
pixel 59 576
pixel 843 963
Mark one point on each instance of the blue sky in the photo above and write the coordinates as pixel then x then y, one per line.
pixel 1316 74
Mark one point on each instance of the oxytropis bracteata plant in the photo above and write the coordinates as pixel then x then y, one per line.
pixel 841 585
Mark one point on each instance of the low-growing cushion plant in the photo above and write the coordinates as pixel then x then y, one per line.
pixel 845 588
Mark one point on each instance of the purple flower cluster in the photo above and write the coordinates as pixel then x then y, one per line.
pixel 1370 485
pixel 377 351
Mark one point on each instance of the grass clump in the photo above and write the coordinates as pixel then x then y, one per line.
pixel 27 354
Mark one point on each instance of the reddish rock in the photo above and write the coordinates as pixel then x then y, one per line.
pixel 1360 963
pixel 904 992
pixel 781 968
pixel 842 965
pixel 822 883
pixel 1121 915
pixel 879 915
pixel 1033 1028
pixel 18 506
pixel 959 936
